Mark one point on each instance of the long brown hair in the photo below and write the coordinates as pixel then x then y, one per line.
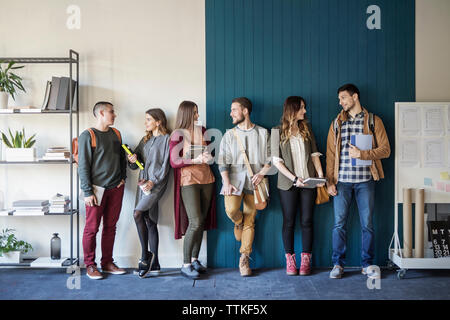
pixel 158 115
pixel 291 107
pixel 185 115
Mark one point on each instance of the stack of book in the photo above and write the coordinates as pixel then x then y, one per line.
pixel 59 204
pixel 56 154
pixel 57 94
pixel 30 207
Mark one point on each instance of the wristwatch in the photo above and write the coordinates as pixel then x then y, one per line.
pixel 295 181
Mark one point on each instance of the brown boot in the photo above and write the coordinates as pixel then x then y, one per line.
pixel 244 267
pixel 113 269
pixel 93 273
pixel 238 231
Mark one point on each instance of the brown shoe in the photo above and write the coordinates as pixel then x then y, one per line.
pixel 244 267
pixel 93 273
pixel 238 231
pixel 113 269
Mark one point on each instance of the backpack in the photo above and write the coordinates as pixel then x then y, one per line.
pixel 93 142
pixel 371 127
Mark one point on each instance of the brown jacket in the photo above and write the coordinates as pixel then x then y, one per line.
pixel 382 151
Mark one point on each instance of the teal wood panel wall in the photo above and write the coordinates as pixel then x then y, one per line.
pixel 268 50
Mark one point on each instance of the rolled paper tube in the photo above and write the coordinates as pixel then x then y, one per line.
pixel 419 222
pixel 407 223
pixel 426 243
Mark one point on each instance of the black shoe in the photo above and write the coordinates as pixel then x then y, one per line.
pixel 155 267
pixel 198 266
pixel 145 265
pixel 190 272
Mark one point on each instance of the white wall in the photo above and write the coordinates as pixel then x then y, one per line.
pixel 432 50
pixel 138 54
pixel 147 54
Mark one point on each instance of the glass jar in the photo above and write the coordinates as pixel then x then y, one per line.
pixel 55 247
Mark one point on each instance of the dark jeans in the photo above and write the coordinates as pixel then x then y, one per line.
pixel 196 200
pixel 291 201
pixel 365 197
pixel 109 210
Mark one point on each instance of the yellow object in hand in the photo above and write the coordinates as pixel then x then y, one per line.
pixel 124 146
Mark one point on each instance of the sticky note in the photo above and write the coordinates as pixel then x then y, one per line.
pixel 444 176
pixel 428 182
pixel 447 187
pixel 440 186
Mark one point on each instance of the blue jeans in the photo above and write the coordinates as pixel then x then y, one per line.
pixel 365 197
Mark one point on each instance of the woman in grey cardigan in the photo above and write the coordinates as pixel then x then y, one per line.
pixel 153 151
pixel 298 159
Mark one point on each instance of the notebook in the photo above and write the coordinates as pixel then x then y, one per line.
pixel 362 142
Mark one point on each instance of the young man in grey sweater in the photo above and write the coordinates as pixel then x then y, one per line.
pixel 101 166
pixel 238 186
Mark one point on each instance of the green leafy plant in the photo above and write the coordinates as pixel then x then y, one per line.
pixel 18 140
pixel 9 242
pixel 9 81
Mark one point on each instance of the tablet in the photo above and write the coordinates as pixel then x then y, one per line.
pixel 312 182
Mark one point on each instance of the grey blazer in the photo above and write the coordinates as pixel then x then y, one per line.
pixel 285 153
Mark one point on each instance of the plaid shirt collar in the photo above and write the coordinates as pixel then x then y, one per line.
pixel 344 116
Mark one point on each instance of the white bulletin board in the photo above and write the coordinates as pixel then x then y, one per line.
pixel 422 150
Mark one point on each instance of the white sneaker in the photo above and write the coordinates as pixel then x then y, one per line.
pixel 373 272
pixel 337 272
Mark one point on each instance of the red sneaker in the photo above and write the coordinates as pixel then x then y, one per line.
pixel 291 268
pixel 305 268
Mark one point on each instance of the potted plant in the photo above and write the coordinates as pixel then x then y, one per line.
pixel 10 83
pixel 19 148
pixel 11 249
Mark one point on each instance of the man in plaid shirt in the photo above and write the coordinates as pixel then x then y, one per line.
pixel 343 179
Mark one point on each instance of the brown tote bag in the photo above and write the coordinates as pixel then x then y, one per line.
pixel 261 193
pixel 322 195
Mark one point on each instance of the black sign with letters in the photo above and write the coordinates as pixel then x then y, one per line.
pixel 440 238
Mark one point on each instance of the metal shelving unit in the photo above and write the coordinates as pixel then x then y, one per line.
pixel 74 63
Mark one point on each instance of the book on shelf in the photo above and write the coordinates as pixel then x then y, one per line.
pixel 46 95
pixel 65 154
pixel 53 93
pixel 30 203
pixel 30 110
pixel 56 153
pixel 63 100
pixel 29 213
pixel 59 197
pixel 59 201
pixel 36 208
pixel 22 109
pixel 59 150
pixel 58 210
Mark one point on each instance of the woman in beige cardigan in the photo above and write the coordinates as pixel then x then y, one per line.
pixel 298 159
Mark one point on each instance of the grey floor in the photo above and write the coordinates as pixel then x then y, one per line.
pixel 223 284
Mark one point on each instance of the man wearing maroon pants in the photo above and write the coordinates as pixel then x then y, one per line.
pixel 101 163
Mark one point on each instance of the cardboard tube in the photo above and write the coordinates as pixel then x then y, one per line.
pixel 419 222
pixel 426 243
pixel 407 223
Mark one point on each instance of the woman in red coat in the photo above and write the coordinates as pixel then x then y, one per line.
pixel 194 194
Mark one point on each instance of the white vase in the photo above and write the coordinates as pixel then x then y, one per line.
pixel 11 257
pixel 20 154
pixel 4 100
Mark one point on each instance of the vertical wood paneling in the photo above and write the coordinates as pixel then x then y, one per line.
pixel 269 49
